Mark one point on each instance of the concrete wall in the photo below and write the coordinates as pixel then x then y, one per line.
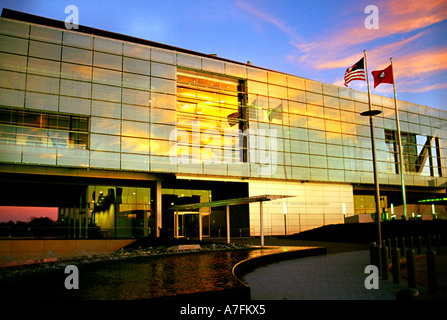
pixel 312 205
pixel 25 251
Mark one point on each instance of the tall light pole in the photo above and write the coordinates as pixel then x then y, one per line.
pixel 371 114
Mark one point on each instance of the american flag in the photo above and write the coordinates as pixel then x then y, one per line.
pixel 356 72
pixel 233 118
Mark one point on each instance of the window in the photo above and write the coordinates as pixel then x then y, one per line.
pixel 25 127
pixel 422 154
pixel 212 106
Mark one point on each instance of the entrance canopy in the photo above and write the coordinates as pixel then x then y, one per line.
pixel 227 203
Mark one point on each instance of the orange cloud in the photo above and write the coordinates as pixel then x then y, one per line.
pixel 341 48
pixel 421 63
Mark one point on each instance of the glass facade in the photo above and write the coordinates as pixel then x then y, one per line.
pixel 144 104
pixel 74 99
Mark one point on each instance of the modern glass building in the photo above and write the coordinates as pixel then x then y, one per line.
pixel 115 130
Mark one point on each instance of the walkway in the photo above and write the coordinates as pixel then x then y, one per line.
pixel 340 275
pixel 337 276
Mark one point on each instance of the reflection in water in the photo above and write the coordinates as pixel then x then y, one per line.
pixel 133 278
pixel 146 277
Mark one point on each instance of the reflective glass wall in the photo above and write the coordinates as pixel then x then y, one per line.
pixel 139 102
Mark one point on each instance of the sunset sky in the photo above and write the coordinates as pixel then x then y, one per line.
pixel 309 38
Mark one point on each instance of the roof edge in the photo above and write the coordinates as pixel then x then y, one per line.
pixel 31 18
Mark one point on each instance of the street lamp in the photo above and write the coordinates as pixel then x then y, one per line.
pixel 371 114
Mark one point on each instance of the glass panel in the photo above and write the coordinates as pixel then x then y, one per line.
pixel 104 159
pixel 298 121
pixel 12 62
pixel 257 74
pixel 213 66
pixel 347 105
pixel 106 60
pixel 136 97
pixel 332 114
pixel 159 131
pixel 136 66
pixel 235 70
pixel 67 157
pixel 42 84
pixel 319 174
pixel 163 55
pixel 107 76
pixel 74 105
pixel 315 111
pixel 317 161
pixel 136 81
pixel 135 145
pixel 14 28
pixel 13 98
pixel 131 112
pixel 257 87
pixel 107 45
pixel 296 95
pixel 314 86
pixel 163 70
pixel 333 126
pixel 76 55
pixel 314 98
pixel 163 116
pixel 162 148
pixel 42 101
pixel 166 101
pixel 44 67
pixel 75 88
pixel 276 91
pixel 190 61
pixel 46 34
pixel 12 80
pixel 103 92
pixel 137 51
pixel 105 125
pixel 277 78
pixel 104 142
pixel 162 85
pixel 76 39
pixel 44 50
pixel 329 89
pixel 106 109
pixel 331 102
pixel 135 129
pixel 134 162
pixel 75 71
pixel 40 155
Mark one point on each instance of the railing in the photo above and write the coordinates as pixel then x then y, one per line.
pixel 392 251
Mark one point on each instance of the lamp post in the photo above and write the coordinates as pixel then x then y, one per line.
pixel 371 114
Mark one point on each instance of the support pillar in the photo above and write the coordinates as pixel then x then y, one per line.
pixel 176 224
pixel 227 211
pixel 261 222
pixel 200 225
pixel 158 209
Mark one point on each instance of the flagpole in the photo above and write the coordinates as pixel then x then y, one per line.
pixel 399 138
pixel 373 143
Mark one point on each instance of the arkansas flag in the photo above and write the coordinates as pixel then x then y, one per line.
pixel 383 76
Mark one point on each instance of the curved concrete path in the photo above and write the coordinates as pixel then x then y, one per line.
pixel 339 276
